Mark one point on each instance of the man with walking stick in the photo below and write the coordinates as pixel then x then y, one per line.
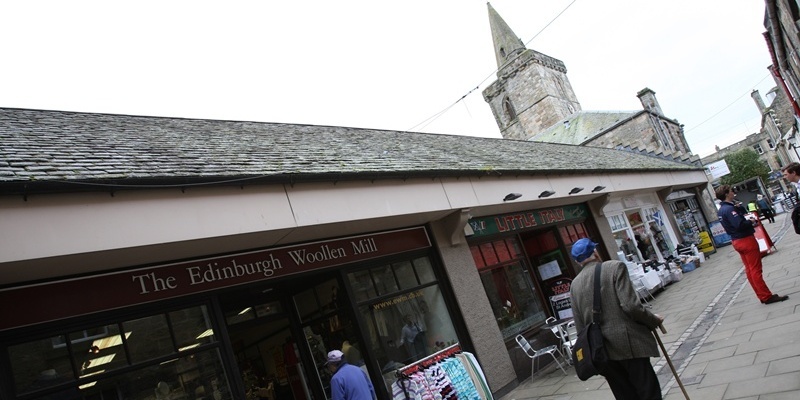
pixel 627 325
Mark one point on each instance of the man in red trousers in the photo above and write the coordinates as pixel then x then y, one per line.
pixel 744 242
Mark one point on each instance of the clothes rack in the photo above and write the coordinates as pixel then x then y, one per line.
pixel 429 360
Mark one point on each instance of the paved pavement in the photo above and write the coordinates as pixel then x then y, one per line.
pixel 722 341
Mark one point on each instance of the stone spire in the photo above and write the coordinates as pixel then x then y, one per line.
pixel 506 43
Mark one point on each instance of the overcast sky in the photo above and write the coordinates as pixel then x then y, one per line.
pixel 381 64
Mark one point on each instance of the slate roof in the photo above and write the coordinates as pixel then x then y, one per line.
pixel 582 126
pixel 63 151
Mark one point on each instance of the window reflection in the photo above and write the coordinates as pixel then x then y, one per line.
pixel 149 338
pixel 192 327
pixel 101 354
pixel 384 280
pixel 49 368
pixel 405 275
pixel 40 364
pixel 409 325
pixel 361 284
pixel 508 286
pixel 424 270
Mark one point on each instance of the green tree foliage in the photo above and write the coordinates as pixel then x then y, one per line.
pixel 744 164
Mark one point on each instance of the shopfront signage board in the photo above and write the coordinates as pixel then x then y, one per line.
pixel 525 220
pixel 120 289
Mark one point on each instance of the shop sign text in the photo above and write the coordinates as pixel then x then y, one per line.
pixel 526 219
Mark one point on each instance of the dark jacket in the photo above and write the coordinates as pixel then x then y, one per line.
pixel 734 222
pixel 627 324
pixel 796 219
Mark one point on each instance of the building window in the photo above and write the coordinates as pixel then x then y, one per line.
pixel 404 312
pixel 758 149
pixel 771 144
pixel 174 353
pixel 507 282
pixel 511 113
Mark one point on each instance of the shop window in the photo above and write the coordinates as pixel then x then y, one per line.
pixel 384 280
pixel 540 242
pixel 192 327
pixel 39 365
pixel 247 313
pixel 408 324
pixel 390 278
pixel 405 328
pixel 489 254
pixel 318 301
pixel 83 366
pixel 618 222
pixel 149 338
pixel 478 257
pixel 361 284
pixel 405 275
pixel 195 376
pixel 571 233
pixel 82 336
pixel 508 286
pixel 424 270
pixel 105 353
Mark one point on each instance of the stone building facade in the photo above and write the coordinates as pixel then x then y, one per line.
pixel 532 99
pixel 783 38
pixel 532 91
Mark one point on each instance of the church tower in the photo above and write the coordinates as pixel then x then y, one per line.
pixel 532 91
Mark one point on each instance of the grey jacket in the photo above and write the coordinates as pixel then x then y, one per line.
pixel 627 324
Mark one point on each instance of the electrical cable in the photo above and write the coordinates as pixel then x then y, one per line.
pixel 726 107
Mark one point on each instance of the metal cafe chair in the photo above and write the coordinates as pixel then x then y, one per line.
pixel 553 328
pixel 642 291
pixel 535 354
pixel 569 334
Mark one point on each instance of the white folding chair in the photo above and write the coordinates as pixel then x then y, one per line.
pixel 569 334
pixel 553 328
pixel 535 354
pixel 642 291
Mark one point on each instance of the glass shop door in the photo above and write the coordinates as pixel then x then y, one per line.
pixel 266 350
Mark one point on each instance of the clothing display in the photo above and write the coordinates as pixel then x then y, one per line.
pixel 449 374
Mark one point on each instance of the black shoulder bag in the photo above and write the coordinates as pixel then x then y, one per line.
pixel 589 354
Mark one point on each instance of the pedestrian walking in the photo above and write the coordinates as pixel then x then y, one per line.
pixel 348 382
pixel 765 209
pixel 744 242
pixel 626 324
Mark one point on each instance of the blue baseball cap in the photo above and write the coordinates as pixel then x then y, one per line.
pixel 582 249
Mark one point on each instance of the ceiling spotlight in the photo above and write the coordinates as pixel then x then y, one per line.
pixel 546 193
pixel 598 188
pixel 575 190
pixel 512 196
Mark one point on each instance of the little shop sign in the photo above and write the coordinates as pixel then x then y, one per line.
pixel 114 290
pixel 526 220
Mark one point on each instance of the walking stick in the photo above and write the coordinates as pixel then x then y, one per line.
pixel 672 367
